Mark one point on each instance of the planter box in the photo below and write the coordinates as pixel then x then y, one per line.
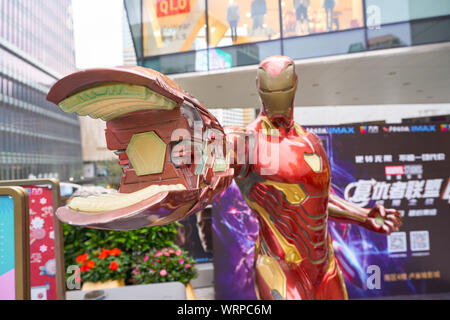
pixel 154 291
pixel 102 285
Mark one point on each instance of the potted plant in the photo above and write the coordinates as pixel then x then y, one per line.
pixel 103 268
pixel 165 265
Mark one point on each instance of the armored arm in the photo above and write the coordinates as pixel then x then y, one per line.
pixel 241 149
pixel 171 149
pixel 378 219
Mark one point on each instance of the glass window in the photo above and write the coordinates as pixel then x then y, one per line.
pixel 381 12
pixel 242 55
pixel 430 31
pixel 242 21
pixel 134 15
pixel 171 26
pixel 303 17
pixel 390 36
pixel 420 9
pixel 173 63
pixel 325 44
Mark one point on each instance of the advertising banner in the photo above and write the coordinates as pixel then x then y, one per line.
pixel 42 243
pixel 46 245
pixel 195 235
pixel 14 244
pixel 235 230
pixel 405 167
pixel 304 17
pixel 171 26
pixel 7 248
pixel 233 22
pixel 166 8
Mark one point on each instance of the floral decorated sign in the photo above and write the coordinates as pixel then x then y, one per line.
pixel 42 243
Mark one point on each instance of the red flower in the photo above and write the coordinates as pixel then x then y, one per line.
pixel 82 258
pixel 90 264
pixel 104 254
pixel 113 266
pixel 115 252
pixel 83 268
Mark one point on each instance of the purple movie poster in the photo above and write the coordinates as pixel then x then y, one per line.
pixel 406 167
pixel 235 230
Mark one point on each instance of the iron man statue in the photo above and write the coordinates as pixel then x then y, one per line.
pixel 176 157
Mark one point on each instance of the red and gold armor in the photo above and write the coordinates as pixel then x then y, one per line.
pixel 176 157
pixel 294 258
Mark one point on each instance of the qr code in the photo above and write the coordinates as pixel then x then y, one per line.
pixel 420 240
pixel 397 242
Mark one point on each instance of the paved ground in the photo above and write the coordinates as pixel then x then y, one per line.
pixel 204 293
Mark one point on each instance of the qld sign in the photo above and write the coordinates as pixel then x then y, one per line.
pixel 166 8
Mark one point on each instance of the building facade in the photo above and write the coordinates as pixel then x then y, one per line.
pixel 378 55
pixel 178 36
pixel 36 49
pixel 129 54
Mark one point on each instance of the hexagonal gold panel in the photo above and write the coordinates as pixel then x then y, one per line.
pixel 147 152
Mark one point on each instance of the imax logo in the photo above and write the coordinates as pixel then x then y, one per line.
pixel 342 130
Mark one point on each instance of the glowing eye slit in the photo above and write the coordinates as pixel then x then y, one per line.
pixel 276 91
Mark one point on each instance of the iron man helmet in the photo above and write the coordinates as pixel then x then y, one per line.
pixel 277 84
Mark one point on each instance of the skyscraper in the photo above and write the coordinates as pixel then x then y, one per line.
pixel 36 49
pixel 129 53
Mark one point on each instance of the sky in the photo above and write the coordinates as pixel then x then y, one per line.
pixel 98 33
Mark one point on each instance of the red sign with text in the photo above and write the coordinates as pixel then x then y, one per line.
pixel 166 8
pixel 42 244
pixel 394 170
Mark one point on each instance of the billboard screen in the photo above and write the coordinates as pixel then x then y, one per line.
pixel 171 26
pixel 7 248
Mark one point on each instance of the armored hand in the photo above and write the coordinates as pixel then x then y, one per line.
pixel 171 149
pixel 378 219
pixel 382 220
